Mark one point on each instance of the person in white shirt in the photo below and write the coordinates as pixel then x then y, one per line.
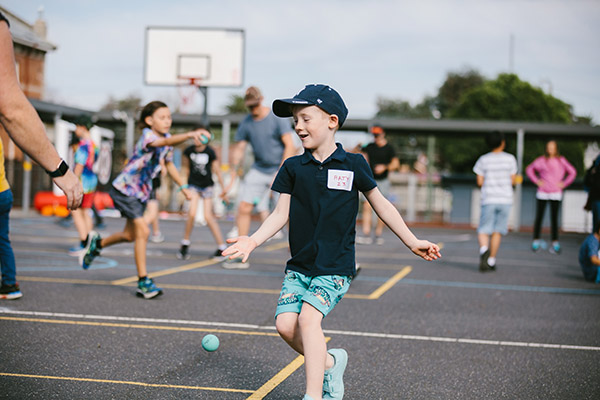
pixel 496 174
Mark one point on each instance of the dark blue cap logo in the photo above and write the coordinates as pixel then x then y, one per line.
pixel 322 96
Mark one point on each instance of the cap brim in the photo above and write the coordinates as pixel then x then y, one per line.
pixel 283 107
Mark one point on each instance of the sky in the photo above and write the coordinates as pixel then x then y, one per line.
pixel 364 49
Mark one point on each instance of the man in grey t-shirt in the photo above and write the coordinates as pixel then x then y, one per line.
pixel 272 142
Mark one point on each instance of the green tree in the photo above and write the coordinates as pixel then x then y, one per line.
pixel 130 104
pixel 507 98
pixel 455 86
pixel 399 108
pixel 236 105
pixel 511 99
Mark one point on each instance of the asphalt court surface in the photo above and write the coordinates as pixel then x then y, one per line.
pixel 413 329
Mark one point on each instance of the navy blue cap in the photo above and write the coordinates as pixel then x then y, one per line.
pixel 322 96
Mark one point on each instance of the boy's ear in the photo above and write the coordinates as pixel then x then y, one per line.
pixel 334 121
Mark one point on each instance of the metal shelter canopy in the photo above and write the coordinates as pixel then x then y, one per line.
pixel 447 126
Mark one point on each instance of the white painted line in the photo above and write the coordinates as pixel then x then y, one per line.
pixel 4 310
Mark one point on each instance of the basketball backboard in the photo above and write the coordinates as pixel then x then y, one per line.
pixel 211 57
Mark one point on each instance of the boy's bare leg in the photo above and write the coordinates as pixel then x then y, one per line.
pixel 484 240
pixel 495 244
pixel 243 218
pixel 316 357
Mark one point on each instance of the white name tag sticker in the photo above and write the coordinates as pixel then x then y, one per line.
pixel 339 179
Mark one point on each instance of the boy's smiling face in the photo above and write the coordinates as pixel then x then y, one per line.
pixel 314 126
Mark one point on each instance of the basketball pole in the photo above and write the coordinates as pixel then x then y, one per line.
pixel 205 120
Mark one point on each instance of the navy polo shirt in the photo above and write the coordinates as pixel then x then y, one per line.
pixel 323 209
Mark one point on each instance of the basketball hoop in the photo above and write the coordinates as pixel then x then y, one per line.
pixel 187 93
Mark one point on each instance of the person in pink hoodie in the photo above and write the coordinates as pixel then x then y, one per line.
pixel 552 173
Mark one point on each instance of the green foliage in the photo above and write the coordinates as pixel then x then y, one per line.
pixel 455 86
pixel 403 109
pixel 236 105
pixel 510 99
pixel 129 104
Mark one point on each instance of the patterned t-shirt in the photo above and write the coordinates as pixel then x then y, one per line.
pixel 86 155
pixel 136 178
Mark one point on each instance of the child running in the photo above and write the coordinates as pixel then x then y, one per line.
pixel 319 196
pixel 203 163
pixel 85 157
pixel 130 191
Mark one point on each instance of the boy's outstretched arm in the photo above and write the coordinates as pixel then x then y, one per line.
pixel 392 218
pixel 244 245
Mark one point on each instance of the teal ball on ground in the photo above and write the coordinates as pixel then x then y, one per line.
pixel 210 343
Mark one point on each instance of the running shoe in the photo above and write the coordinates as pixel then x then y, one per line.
pixel 75 250
pixel 147 289
pixel 236 263
pixel 90 251
pixel 157 238
pixel 184 252
pixel 10 292
pixel 333 382
pixel 218 255
pixel 555 248
pixel 379 240
pixel 483 261
pixel 364 240
pixel 536 245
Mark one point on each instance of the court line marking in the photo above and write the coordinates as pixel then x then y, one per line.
pixel 375 335
pixel 154 385
pixel 278 378
pixel 137 326
pixel 377 293
pixel 168 271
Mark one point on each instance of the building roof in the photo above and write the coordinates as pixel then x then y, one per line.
pixel 23 33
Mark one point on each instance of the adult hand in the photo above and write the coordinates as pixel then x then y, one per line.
pixel 242 247
pixel 70 184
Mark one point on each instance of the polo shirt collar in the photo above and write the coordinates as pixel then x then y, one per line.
pixel 339 154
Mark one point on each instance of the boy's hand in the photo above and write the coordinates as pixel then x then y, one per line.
pixel 426 250
pixel 187 193
pixel 242 247
pixel 200 136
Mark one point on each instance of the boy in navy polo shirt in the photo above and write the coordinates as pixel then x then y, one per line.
pixel 319 197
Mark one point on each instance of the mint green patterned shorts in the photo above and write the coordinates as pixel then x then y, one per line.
pixel 322 292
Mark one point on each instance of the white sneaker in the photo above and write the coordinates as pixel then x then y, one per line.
pixel 379 240
pixel 157 238
pixel 236 263
pixel 364 240
pixel 233 233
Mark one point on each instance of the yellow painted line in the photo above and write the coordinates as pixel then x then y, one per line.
pixel 391 282
pixel 276 246
pixel 220 289
pixel 154 385
pixel 139 326
pixel 169 271
pixel 279 377
pixel 63 280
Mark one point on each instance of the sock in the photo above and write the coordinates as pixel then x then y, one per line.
pixel 185 242
pixel 84 242
pixel 492 261
pixel 99 243
pixel 142 278
pixel 483 249
pixel 222 247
